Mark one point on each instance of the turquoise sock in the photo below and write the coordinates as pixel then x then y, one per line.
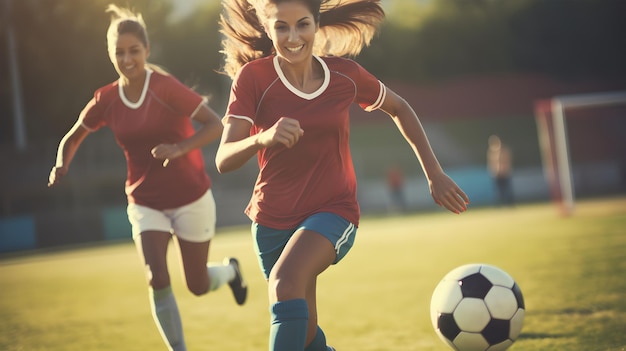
pixel 289 324
pixel 319 342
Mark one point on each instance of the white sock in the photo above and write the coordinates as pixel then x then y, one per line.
pixel 167 317
pixel 219 274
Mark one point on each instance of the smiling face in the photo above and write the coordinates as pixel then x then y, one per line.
pixel 292 28
pixel 128 47
pixel 129 56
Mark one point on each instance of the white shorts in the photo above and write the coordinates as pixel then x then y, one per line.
pixel 193 222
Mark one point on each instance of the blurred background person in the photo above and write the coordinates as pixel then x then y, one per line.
pixel 395 184
pixel 500 165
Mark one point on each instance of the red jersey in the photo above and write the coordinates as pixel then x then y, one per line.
pixel 316 174
pixel 161 115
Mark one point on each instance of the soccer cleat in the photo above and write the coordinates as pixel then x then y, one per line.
pixel 237 285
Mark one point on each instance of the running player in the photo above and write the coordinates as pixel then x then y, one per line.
pixel 289 105
pixel 168 190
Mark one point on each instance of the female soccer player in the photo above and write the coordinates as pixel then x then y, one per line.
pixel 289 105
pixel 169 192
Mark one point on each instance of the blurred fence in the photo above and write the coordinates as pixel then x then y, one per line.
pixel 90 205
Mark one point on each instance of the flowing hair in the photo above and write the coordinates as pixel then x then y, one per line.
pixel 346 26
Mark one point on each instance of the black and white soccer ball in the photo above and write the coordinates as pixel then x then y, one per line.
pixel 477 307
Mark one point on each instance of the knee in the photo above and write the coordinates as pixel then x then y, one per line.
pixel 198 288
pixel 284 289
pixel 158 280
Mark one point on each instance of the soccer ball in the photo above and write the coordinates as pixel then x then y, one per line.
pixel 477 307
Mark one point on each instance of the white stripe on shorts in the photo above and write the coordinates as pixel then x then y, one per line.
pixel 344 237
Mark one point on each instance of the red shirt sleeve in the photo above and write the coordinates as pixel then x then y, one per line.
pixel 243 97
pixel 371 92
pixel 92 116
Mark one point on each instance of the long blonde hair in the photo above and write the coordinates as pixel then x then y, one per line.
pixel 346 26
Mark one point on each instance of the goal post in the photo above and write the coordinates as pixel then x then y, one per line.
pixel 551 119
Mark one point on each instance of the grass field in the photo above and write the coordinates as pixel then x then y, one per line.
pixel 572 272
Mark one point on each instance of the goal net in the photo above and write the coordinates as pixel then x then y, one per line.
pixel 582 139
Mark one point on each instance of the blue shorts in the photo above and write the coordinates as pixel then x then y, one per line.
pixel 269 243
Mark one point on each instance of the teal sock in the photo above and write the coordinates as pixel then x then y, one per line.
pixel 289 324
pixel 319 342
pixel 219 274
pixel 167 318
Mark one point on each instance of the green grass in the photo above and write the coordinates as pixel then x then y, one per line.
pixel 571 270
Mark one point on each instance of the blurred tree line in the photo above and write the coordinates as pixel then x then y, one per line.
pixel 61 47
pixel 444 39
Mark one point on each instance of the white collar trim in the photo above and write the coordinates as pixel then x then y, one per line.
pixel 307 96
pixel 135 105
